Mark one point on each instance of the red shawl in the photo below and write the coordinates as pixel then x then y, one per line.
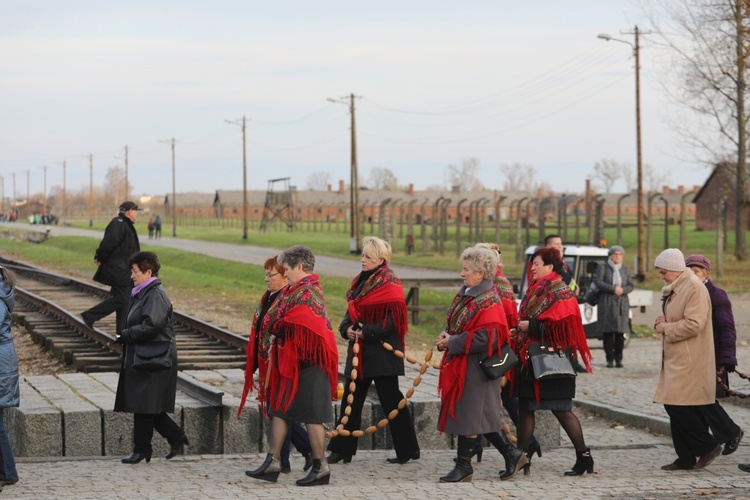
pixel 550 301
pixel 467 314
pixel 507 297
pixel 303 334
pixel 258 350
pixel 381 296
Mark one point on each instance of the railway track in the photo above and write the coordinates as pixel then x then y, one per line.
pixel 49 306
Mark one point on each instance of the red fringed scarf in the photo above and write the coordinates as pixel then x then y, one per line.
pixel 468 314
pixel 507 297
pixel 261 356
pixel 550 300
pixel 303 334
pixel 381 296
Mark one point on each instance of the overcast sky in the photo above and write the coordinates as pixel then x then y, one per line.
pixel 500 80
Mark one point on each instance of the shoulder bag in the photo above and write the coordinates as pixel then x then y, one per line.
pixel 592 294
pixel 549 362
pixel 496 365
pixel 152 356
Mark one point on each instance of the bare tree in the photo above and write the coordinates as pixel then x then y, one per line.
pixel 654 180
pixel 607 171
pixel 518 177
pixel 318 181
pixel 464 175
pixel 114 185
pixel 710 43
pixel 627 176
pixel 383 178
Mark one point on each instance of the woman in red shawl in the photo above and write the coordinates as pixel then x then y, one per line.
pixel 258 350
pixel 550 309
pixel 376 314
pixel 470 402
pixel 303 367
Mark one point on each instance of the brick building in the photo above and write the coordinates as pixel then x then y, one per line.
pixel 720 183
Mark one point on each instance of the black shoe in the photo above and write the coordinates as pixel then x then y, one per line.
pixel 86 320
pixel 403 460
pixel 308 462
pixel 618 364
pixel 610 364
pixel 731 446
pixel 6 482
pixel 136 457
pixel 744 467
pixel 176 448
pixel 462 472
pixel 286 468
pixel 335 458
pixel 584 463
pixel 534 447
pixel 319 474
pixel 269 470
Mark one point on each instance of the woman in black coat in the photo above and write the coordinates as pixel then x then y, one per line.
pixel 614 283
pixel 149 394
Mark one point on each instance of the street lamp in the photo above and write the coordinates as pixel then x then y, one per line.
pixel 244 173
pixel 641 271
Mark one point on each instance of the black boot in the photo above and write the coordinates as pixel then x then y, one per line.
pixel 478 449
pixel 319 474
pixel 584 463
pixel 269 469
pixel 176 448
pixel 136 458
pixel 515 459
pixel 462 472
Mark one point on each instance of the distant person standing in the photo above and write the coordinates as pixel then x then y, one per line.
pixel 119 243
pixel 150 228
pixel 157 228
pixel 614 283
pixel 10 395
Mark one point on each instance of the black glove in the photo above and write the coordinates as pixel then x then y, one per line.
pixel 729 368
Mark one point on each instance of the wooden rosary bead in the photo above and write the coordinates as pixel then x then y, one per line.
pixel 423 368
pixel 428 356
pixel 350 398
pixel 355 362
pixel 399 354
pixel 353 374
pixel 344 420
pixel 410 393
pixel 371 430
pixel 382 423
pixel 344 432
pixel 417 380
pixel 393 414
pixel 402 403
pixel 355 348
pixel 387 346
pixel 358 433
pixel 411 360
pixel 352 386
pixel 348 411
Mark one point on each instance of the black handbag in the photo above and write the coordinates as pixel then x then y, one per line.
pixel 591 297
pixel 152 356
pixel 496 365
pixel 549 362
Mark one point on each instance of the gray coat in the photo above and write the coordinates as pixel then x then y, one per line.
pixel 478 410
pixel 149 320
pixel 612 311
pixel 10 394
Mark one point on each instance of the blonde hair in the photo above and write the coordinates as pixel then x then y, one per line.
pixel 377 248
pixel 495 248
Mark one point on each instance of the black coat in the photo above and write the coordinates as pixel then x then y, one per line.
pixel 119 243
pixel 376 361
pixel 612 311
pixel 149 320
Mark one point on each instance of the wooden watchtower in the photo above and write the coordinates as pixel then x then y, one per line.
pixel 279 203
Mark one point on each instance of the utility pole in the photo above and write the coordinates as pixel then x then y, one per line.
pixel 14 205
pixel 641 269
pixel 174 194
pixel 127 187
pixel 356 228
pixel 91 190
pixel 45 190
pixel 64 201
pixel 28 192
pixel 244 174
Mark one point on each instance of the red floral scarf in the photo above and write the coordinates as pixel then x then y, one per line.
pixel 303 334
pixel 259 349
pixel 382 295
pixel 550 300
pixel 468 314
pixel 507 297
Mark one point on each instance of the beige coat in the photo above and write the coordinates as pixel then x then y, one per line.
pixel 688 368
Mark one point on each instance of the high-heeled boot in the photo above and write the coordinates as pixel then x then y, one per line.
pixel 478 449
pixel 584 463
pixel 136 457
pixel 462 472
pixel 269 470
pixel 515 459
pixel 319 474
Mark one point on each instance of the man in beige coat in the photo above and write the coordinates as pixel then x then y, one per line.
pixel 687 380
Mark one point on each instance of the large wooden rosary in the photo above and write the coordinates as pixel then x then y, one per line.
pixel 340 431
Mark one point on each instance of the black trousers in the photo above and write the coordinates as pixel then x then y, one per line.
pixel 722 426
pixel 614 342
pixel 690 434
pixel 116 303
pixel 402 428
pixel 143 430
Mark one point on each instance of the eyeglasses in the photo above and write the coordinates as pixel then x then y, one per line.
pixel 271 275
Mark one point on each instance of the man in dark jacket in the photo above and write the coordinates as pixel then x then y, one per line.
pixel 119 243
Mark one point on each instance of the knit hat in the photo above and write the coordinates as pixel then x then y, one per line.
pixel 698 260
pixel 616 248
pixel 671 259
